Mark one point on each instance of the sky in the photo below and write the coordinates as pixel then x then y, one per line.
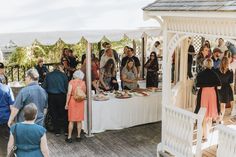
pixel 69 15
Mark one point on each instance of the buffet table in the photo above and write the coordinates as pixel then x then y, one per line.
pixel 116 113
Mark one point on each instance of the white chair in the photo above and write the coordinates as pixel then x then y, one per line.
pixel 226 142
pixel 178 130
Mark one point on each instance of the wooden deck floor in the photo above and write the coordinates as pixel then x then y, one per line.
pixel 140 141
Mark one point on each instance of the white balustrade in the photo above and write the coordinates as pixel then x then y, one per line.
pixel 191 98
pixel 226 142
pixel 177 132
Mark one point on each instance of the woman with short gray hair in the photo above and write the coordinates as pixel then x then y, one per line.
pixel 29 138
pixel 75 104
pixel 33 74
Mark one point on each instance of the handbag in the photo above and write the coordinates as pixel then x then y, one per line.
pixel 14 148
pixel 79 94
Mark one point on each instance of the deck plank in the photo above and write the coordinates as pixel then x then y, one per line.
pixel 139 141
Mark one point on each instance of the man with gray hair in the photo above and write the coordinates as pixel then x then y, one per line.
pixel 32 93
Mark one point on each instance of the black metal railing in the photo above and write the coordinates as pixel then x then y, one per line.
pixel 17 72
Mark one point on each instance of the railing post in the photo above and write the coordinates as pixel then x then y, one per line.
pixel 12 79
pixel 18 73
pixel 201 116
pixel 24 73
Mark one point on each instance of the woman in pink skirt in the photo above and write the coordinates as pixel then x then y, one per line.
pixel 207 97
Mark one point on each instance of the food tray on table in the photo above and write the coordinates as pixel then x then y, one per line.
pixel 101 97
pixel 140 90
pixel 141 93
pixel 122 95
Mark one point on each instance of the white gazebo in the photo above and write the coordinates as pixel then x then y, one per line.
pixel 180 20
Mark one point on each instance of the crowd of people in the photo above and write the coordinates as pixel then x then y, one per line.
pixel 61 92
pixel 60 95
pixel 214 81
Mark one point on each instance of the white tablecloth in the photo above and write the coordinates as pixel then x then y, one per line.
pixel 122 113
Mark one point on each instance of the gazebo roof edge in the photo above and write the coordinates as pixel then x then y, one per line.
pixel 192 5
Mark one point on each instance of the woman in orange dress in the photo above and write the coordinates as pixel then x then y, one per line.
pixel 75 108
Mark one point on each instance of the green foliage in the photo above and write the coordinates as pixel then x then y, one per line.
pixel 27 56
pixel 21 57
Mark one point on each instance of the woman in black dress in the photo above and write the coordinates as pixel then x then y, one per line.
pixel 226 92
pixel 152 70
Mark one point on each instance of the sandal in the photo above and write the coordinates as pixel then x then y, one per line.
pixel 68 140
pixel 204 140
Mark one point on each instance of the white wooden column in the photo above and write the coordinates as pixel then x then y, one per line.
pixel 183 60
pixel 183 71
pixel 166 86
pixel 166 79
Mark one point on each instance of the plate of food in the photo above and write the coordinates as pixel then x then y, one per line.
pixel 141 93
pixel 140 90
pixel 101 97
pixel 122 95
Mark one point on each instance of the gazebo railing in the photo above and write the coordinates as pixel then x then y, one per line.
pixel 226 142
pixel 178 131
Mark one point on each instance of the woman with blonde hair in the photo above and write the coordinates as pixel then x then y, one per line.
pixel 207 96
pixel 226 91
